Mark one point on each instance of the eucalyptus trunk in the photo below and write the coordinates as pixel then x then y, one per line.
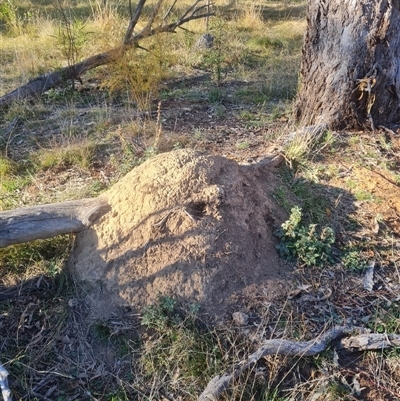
pixel 350 71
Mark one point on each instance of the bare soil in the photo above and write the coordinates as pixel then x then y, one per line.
pixel 193 226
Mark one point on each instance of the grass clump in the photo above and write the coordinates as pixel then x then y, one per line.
pixel 13 178
pixel 79 154
pixel 8 16
pixel 48 251
pixel 386 319
pixel 312 247
pixel 307 143
pixel 7 167
pixel 180 346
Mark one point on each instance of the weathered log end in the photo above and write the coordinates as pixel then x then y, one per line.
pixel 46 221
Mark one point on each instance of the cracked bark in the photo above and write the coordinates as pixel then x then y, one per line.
pixel 346 42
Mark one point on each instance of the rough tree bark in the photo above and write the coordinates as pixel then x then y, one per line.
pixel 350 71
pixel 37 86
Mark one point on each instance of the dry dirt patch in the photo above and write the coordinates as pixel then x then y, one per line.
pixel 183 224
pixel 384 192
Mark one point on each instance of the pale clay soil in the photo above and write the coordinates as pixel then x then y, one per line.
pixel 184 224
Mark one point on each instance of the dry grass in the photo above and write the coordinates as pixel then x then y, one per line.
pixel 233 99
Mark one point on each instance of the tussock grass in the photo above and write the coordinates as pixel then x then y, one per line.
pixel 79 154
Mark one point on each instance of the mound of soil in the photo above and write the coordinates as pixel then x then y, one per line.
pixel 183 224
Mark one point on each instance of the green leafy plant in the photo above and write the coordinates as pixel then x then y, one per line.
pixel 309 245
pixel 71 35
pixel 8 16
pixel 160 314
pixel 351 260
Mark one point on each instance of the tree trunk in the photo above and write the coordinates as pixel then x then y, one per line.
pixel 350 71
pixel 46 221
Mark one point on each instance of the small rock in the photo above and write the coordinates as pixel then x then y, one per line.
pixel 240 318
pixel 205 41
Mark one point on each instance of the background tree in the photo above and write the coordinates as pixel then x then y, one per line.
pixel 350 71
pixel 155 24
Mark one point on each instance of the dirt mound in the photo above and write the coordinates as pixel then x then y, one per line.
pixel 183 224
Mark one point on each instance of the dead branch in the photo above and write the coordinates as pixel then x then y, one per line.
pixel 46 221
pixel 363 341
pixel 134 20
pixel 5 390
pixel 43 83
pixel 368 342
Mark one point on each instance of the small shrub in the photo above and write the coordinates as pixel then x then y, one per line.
pixel 140 73
pixel 159 315
pixel 309 245
pixel 351 260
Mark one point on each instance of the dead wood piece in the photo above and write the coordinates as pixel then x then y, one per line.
pixel 46 221
pixel 372 341
pixel 363 341
pixel 5 390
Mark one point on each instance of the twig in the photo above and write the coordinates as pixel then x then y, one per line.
pixel 5 390
pixel 134 20
pixel 169 10
pixel 363 341
pixel 161 223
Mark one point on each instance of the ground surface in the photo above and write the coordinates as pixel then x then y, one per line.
pixel 179 235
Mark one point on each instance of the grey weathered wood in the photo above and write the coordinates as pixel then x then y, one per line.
pixel 361 342
pixel 46 221
pixel 5 390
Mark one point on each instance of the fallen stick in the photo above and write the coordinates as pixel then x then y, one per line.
pixel 361 342
pixel 46 221
pixel 5 390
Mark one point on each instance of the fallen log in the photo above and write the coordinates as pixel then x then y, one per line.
pixel 43 83
pixel 46 221
pixel 364 341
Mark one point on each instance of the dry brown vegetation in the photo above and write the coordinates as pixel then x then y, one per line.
pixel 233 99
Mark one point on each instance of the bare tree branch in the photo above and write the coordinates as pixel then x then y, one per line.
pixel 191 9
pixel 134 20
pixel 43 83
pixel 169 10
pixel 153 16
pixel 364 341
pixel 169 28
